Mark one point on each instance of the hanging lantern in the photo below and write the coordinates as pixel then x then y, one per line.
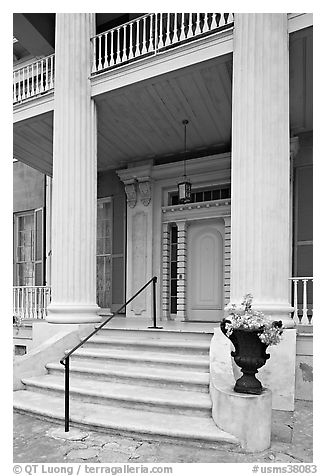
pixel 184 186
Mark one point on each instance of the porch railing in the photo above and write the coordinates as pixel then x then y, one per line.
pixel 302 299
pixel 150 34
pixel 33 79
pixel 31 302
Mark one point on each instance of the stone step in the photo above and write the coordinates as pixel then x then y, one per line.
pixel 124 395
pixel 156 334
pixel 142 344
pixel 153 377
pixel 144 358
pixel 149 425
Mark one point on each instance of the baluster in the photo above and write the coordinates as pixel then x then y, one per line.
pixel 205 23
pixel 124 43
pixel 173 23
pixel 295 303
pixel 38 302
pixel 99 62
pixel 223 19
pixel 160 39
pixel 215 21
pixel 27 81
pixel 42 79
pixel 192 17
pixel 118 47
pixel 106 64
pixel 150 35
pixel 146 36
pixel 32 82
pixel 137 51
pixel 27 304
pixel 37 81
pixel 14 302
pixel 41 300
pixel 23 92
pixel 18 86
pixel 182 28
pixel 47 73
pixel 304 306
pixel 23 304
pixel 15 87
pixel 167 40
pixel 94 54
pixel 33 303
pixel 43 305
pixel 131 52
pixel 111 54
pixel 312 282
pixel 52 72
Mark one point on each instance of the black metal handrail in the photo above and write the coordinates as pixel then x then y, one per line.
pixel 65 360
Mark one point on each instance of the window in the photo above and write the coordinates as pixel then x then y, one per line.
pixel 29 248
pixel 204 195
pixel 104 253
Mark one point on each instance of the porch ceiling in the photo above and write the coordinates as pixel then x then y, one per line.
pixel 145 120
pixel 33 142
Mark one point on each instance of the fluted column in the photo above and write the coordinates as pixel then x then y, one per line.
pixel 260 163
pixel 74 174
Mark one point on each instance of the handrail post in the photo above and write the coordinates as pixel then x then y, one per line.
pixel 154 304
pixel 66 364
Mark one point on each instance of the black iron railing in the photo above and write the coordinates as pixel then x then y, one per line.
pixel 65 360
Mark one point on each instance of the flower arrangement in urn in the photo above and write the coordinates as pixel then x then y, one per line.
pixel 251 332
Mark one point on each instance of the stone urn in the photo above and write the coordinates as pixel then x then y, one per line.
pixel 250 355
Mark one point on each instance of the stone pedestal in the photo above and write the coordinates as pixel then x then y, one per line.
pixel 74 175
pixel 247 417
pixel 260 213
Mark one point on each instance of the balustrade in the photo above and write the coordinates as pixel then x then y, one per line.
pixel 31 302
pixel 302 300
pixel 151 34
pixel 33 79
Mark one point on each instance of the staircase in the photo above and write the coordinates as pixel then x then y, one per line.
pixel 149 383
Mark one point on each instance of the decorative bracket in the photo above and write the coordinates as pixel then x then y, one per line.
pixel 145 190
pixel 131 192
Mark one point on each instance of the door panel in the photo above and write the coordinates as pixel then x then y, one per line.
pixel 205 272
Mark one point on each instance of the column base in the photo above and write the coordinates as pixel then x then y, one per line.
pixel 73 314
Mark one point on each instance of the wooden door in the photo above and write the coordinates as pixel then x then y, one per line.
pixel 204 272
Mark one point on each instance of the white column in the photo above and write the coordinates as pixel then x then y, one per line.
pixel 260 163
pixel 182 269
pixel 74 174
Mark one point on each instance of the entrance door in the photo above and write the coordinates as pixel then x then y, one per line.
pixel 205 271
